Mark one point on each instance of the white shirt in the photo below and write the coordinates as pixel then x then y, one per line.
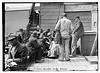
pixel 65 26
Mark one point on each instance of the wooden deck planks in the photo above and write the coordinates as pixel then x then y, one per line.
pixel 92 59
pixel 75 64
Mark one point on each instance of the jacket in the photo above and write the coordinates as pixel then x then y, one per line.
pixel 79 29
pixel 19 54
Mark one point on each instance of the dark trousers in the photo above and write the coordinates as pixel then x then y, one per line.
pixel 36 54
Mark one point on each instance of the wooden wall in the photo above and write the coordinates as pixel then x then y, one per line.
pixel 94 17
pixel 78 7
pixel 87 12
pixel 89 16
pixel 87 42
pixel 49 14
pixel 84 16
pixel 50 11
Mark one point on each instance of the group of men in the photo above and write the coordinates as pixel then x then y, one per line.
pixel 33 46
pixel 27 48
pixel 64 25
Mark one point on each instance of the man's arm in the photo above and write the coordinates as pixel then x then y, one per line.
pixel 76 28
pixel 58 25
pixel 70 28
pixel 24 54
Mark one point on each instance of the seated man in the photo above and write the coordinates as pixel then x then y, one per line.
pixel 54 49
pixel 21 36
pixel 76 34
pixel 17 54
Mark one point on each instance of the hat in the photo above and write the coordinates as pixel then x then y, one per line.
pixel 21 30
pixel 11 37
pixel 34 34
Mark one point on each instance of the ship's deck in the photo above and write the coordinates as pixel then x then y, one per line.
pixel 78 63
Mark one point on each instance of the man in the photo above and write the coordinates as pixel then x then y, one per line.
pixel 76 34
pixel 34 46
pixel 48 32
pixel 17 54
pixel 64 25
pixel 21 36
pixel 27 35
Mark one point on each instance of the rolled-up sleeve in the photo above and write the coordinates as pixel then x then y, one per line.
pixel 70 28
pixel 58 25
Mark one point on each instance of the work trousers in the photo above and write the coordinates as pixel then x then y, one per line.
pixel 74 44
pixel 64 49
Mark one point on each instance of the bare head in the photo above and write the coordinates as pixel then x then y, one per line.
pixel 64 15
pixel 77 19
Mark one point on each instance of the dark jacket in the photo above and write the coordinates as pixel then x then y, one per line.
pixel 79 30
pixel 33 43
pixel 20 54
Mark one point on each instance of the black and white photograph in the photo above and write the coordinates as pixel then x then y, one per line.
pixel 50 36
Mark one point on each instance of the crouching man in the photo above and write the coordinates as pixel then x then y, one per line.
pixel 35 50
pixel 17 59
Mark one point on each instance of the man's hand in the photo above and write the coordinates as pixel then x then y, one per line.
pixel 11 64
pixel 73 32
pixel 9 60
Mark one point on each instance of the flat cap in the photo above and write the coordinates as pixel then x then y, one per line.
pixel 35 34
pixel 11 37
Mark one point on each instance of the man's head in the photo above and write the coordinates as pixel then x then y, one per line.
pixel 41 30
pixel 64 15
pixel 48 30
pixel 35 34
pixel 21 31
pixel 77 19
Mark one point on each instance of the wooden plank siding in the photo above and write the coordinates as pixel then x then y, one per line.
pixel 78 7
pixel 85 17
pixel 49 14
pixel 87 12
pixel 86 44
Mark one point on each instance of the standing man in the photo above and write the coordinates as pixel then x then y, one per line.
pixel 64 25
pixel 76 34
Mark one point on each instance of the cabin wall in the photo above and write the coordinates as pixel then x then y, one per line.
pixel 85 17
pixel 86 43
pixel 87 12
pixel 94 17
pixel 49 14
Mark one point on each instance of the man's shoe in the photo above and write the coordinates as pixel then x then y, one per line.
pixel 72 56
pixel 39 61
pixel 60 60
pixel 68 60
